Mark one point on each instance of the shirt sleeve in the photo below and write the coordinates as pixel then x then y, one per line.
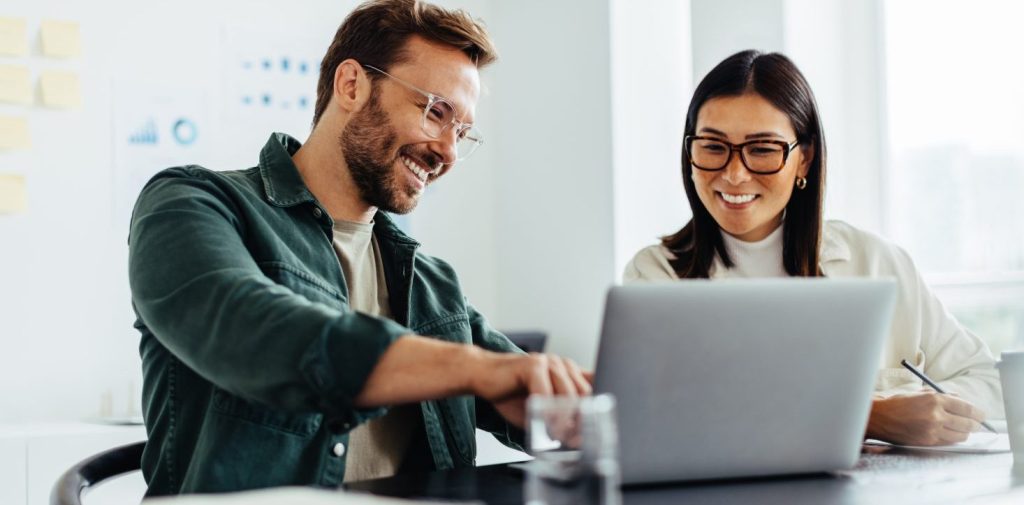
pixel 955 358
pixel 650 264
pixel 487 417
pixel 199 291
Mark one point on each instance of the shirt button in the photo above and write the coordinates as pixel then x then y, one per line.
pixel 317 213
pixel 339 449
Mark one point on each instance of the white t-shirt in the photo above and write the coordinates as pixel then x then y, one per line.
pixel 376 448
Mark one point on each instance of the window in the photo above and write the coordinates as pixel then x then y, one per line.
pixel 955 93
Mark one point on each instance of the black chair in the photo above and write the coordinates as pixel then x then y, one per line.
pixel 529 341
pixel 95 469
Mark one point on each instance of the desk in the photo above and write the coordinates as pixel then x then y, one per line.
pixel 883 475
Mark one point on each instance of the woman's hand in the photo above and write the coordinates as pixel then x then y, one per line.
pixel 924 418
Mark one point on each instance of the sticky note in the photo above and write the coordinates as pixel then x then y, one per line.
pixel 13 37
pixel 60 39
pixel 60 89
pixel 14 133
pixel 15 85
pixel 13 196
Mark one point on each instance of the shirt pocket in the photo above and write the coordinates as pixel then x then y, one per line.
pixel 302 282
pixel 301 424
pixel 450 327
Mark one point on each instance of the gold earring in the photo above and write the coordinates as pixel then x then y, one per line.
pixel 801 182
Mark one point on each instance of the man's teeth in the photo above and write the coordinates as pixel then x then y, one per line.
pixel 737 199
pixel 416 169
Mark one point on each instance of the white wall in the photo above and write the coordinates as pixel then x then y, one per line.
pixel 65 314
pixel 723 27
pixel 651 89
pixel 553 169
pixel 538 223
pixel 527 222
pixel 838 46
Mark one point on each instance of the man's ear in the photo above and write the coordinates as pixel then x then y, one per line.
pixel 352 87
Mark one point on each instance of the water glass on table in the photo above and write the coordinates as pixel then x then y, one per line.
pixel 574 442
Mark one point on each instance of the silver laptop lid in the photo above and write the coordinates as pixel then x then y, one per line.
pixel 732 378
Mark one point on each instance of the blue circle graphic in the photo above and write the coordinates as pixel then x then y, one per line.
pixel 185 131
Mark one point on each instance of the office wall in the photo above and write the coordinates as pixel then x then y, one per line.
pixel 538 223
pixel 67 348
pixel 651 89
pixel 553 216
pixel 528 222
pixel 837 44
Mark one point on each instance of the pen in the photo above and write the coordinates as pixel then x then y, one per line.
pixel 936 387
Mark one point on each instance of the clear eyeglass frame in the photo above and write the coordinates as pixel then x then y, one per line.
pixel 787 148
pixel 438 116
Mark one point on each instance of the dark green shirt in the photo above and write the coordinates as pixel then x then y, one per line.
pixel 251 356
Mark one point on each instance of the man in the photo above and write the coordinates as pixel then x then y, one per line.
pixel 280 308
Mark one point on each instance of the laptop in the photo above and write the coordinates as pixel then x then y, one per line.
pixel 741 378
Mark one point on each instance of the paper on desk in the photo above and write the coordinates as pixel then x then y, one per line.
pixel 289 495
pixel 979 442
pixel 13 37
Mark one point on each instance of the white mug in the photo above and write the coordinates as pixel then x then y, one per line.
pixel 1011 375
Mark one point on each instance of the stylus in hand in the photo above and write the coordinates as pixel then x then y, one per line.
pixel 936 387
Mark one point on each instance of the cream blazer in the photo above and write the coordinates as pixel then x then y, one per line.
pixel 923 332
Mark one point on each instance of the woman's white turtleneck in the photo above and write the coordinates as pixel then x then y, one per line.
pixel 756 259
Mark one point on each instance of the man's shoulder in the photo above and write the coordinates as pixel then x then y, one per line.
pixel 436 265
pixel 191 181
pixel 197 173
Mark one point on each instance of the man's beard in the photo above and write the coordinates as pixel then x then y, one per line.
pixel 366 142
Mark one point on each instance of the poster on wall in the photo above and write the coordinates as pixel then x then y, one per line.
pixel 156 126
pixel 270 79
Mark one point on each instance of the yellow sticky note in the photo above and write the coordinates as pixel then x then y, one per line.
pixel 60 39
pixel 14 133
pixel 13 37
pixel 15 85
pixel 60 89
pixel 13 196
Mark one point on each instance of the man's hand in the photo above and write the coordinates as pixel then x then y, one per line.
pixel 506 380
pixel 416 369
pixel 924 418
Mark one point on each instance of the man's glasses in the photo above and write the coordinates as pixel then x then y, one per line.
pixel 438 116
pixel 759 156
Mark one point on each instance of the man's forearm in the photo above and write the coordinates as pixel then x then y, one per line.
pixel 415 369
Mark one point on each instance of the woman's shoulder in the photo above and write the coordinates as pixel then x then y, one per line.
pixel 649 264
pixel 842 241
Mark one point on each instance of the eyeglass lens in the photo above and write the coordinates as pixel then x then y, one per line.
pixel 757 157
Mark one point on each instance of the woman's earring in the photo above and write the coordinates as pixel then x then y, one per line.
pixel 801 182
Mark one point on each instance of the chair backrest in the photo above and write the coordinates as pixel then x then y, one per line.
pixel 529 341
pixel 95 469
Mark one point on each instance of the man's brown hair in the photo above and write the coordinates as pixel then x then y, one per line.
pixel 375 34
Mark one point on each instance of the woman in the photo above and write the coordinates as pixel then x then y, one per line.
pixel 754 173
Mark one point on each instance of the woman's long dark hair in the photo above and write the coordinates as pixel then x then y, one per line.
pixel 774 77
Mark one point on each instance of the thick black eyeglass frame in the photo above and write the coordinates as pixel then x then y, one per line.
pixel 787 147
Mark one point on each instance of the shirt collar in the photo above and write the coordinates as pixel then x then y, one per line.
pixel 833 248
pixel 281 179
pixel 284 186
